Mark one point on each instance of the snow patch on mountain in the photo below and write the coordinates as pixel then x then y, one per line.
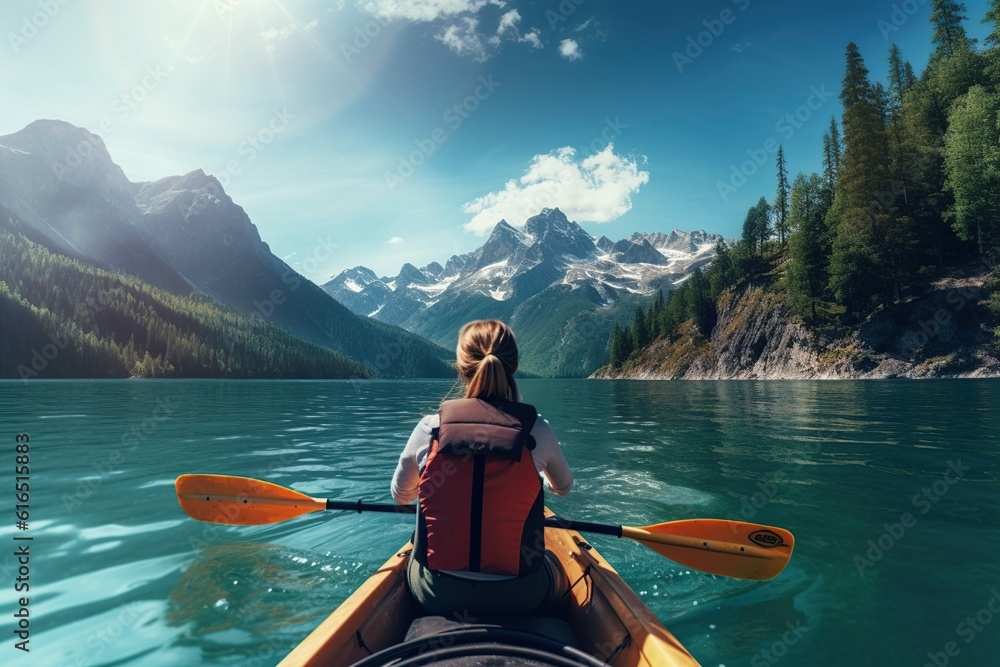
pixel 14 150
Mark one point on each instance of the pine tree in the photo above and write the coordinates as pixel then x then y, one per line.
pixel 993 16
pixel 618 352
pixel 640 330
pixel 781 198
pixel 972 160
pixel 762 218
pixel 857 219
pixel 626 345
pixel 701 305
pixel 856 86
pixel 673 314
pixel 947 18
pixel 881 97
pixel 808 246
pixel 722 275
pixel 901 78
pixel 993 43
pixel 749 237
pixel 832 152
pixel 757 227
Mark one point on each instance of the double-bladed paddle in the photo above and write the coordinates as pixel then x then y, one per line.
pixel 726 548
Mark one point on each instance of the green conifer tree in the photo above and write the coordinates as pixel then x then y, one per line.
pixel 832 153
pixel 857 218
pixel 781 198
pixel 808 247
pixel 901 78
pixel 947 17
pixel 993 44
pixel 972 161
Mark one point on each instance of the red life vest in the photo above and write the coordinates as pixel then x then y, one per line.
pixel 481 506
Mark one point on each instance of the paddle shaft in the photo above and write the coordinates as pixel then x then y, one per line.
pixel 552 522
pixel 566 524
pixel 359 507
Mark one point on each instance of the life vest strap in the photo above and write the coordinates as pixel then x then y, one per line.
pixel 476 526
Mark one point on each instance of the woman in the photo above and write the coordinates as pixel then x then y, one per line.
pixel 474 467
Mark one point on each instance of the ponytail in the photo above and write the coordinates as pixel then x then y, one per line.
pixel 486 359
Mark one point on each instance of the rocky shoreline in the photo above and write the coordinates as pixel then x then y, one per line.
pixel 945 332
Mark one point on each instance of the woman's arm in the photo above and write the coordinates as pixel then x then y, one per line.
pixel 406 478
pixel 549 458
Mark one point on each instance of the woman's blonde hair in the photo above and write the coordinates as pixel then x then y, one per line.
pixel 486 359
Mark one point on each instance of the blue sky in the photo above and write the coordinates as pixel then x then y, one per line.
pixel 335 125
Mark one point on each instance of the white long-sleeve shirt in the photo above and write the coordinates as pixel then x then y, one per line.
pixel 547 456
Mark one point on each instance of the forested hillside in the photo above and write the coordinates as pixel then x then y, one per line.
pixel 908 197
pixel 60 318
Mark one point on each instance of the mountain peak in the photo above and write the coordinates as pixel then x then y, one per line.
pixel 554 235
pixel 196 182
pixel 502 243
pixel 409 275
pixel 548 218
pixel 503 229
pixel 73 154
pixel 603 242
pixel 362 271
pixel 433 269
pixel 58 131
pixel 639 251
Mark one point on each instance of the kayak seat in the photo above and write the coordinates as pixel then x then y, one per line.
pixel 494 641
pixel 555 629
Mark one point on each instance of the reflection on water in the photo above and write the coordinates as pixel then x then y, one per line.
pixel 121 577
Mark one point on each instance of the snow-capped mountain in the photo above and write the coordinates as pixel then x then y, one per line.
pixel 518 264
pixel 526 274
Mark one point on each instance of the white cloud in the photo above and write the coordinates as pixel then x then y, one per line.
pixel 462 35
pixel 273 35
pixel 464 39
pixel 599 189
pixel 424 10
pixel 534 38
pixel 508 29
pixel 508 22
pixel 395 240
pixel 200 58
pixel 570 49
pixel 583 26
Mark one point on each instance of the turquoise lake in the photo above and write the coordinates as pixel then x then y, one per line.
pixel 120 576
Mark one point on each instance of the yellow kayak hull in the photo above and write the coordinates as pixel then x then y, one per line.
pixel 607 616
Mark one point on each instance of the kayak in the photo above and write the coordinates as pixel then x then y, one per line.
pixel 601 621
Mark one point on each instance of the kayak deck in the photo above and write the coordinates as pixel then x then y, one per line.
pixel 609 620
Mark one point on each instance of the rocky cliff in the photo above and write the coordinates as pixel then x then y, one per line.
pixel 945 331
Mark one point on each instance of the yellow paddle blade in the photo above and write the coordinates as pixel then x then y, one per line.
pixel 726 548
pixel 241 501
